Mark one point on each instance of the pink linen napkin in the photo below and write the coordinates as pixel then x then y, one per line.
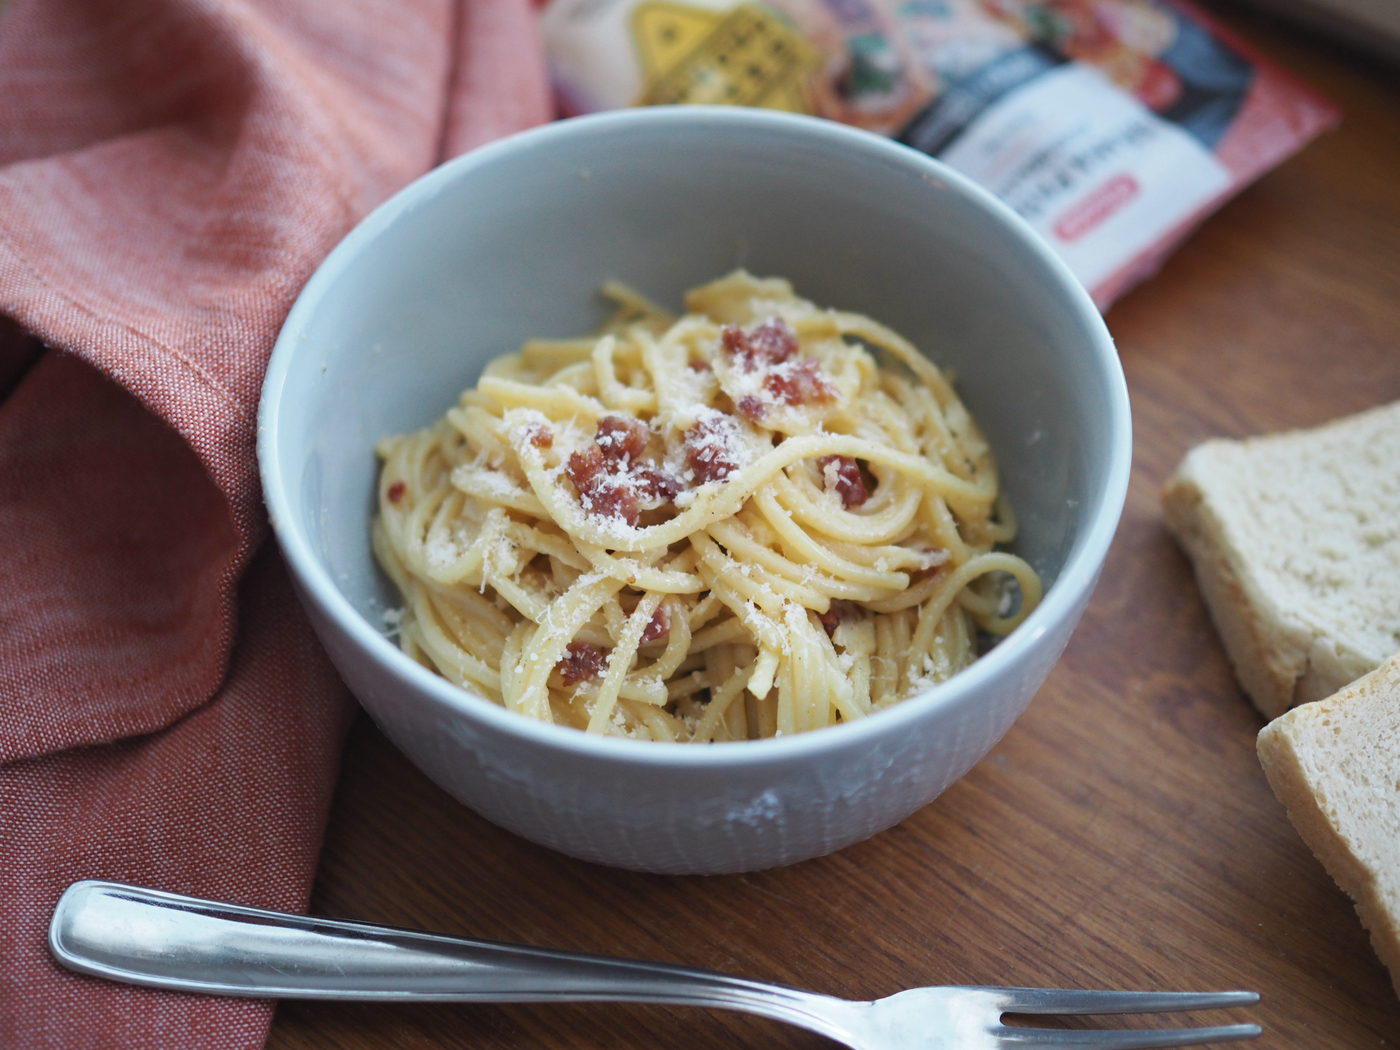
pixel 171 172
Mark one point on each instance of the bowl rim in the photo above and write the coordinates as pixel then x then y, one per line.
pixel 1076 577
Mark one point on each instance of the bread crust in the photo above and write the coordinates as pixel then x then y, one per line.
pixel 1267 670
pixel 1347 818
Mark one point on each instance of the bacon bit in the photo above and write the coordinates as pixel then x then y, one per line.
pixel 618 436
pixel 696 365
pixel 584 466
pixel 839 612
pixel 750 407
pixel 659 627
pixel 581 661
pixel 396 491
pixel 614 501
pixel 771 343
pixel 800 383
pixel 540 436
pixel 599 494
pixel 707 448
pixel 849 484
pixel 610 480
pixel 656 484
pixel 732 338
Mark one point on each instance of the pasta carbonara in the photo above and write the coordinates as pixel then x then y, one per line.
pixel 731 525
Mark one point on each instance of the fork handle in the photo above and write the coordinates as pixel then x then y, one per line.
pixel 184 944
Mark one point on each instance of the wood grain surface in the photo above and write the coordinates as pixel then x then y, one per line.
pixel 1121 835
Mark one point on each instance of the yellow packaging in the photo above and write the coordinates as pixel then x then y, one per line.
pixel 844 61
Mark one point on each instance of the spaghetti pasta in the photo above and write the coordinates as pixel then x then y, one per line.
pixel 725 526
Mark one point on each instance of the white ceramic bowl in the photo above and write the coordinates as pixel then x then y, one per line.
pixel 512 241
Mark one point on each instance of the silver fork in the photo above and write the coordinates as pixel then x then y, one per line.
pixel 164 940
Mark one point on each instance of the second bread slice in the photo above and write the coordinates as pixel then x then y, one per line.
pixel 1336 765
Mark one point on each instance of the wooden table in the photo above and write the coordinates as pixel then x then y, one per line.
pixel 1121 835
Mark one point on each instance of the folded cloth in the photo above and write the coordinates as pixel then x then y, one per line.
pixel 171 172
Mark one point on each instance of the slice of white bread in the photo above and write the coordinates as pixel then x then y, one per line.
pixel 1295 539
pixel 1335 764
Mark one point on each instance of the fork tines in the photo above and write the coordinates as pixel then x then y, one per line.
pixel 1077 1001
pixel 1042 1001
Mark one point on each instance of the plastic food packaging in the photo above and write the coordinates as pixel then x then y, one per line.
pixel 1111 126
